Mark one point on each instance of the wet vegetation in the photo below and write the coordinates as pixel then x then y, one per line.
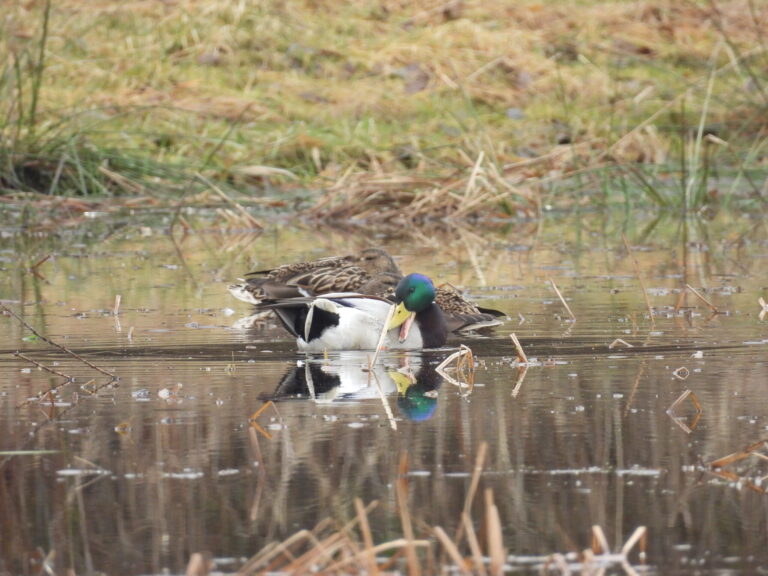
pixel 373 109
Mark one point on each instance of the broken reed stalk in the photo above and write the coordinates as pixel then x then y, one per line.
pixel 639 277
pixel 599 541
pixel 452 550
pixel 116 309
pixel 55 345
pixel 701 297
pixel 365 528
pixel 236 205
pixel 474 544
pixel 559 295
pixel 473 484
pixel 494 534
pixel 521 357
pixel 401 489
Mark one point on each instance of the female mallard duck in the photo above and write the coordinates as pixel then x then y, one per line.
pixel 372 272
pixel 355 321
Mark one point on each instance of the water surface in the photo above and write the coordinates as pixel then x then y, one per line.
pixel 134 476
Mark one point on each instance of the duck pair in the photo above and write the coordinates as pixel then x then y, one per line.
pixel 344 302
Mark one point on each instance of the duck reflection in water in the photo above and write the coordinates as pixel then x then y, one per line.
pixel 346 377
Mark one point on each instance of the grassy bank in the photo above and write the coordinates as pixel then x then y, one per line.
pixel 450 106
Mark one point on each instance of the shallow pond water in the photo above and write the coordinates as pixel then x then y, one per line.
pixel 136 475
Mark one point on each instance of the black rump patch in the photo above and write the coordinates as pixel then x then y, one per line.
pixel 321 321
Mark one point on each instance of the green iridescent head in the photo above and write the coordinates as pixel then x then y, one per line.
pixel 416 292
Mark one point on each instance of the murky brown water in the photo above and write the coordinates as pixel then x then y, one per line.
pixel 134 477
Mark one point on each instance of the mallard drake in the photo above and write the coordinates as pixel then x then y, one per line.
pixel 350 321
pixel 371 272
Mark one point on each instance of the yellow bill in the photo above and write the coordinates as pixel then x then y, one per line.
pixel 402 317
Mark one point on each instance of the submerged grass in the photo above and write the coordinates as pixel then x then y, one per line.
pixel 437 109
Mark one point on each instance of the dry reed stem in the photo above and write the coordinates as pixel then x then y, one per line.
pixel 599 541
pixel 521 372
pixel 639 277
pixel 635 387
pixel 273 549
pixel 639 535
pixel 703 299
pixel 559 295
pixel 55 345
pixel 236 205
pixel 494 534
pixel 365 529
pixel 736 456
pixel 764 307
pixel 116 309
pixel 453 552
pixel 326 547
pixel 392 545
pixel 401 488
pixel 382 336
pixel 521 357
pixel 474 544
pixel 197 566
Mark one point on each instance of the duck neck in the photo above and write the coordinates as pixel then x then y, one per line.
pixel 434 330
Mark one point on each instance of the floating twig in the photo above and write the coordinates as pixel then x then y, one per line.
pixel 559 295
pixel 671 411
pixel 701 297
pixel 36 265
pixel 757 450
pixel 639 277
pixel 255 416
pixel 463 357
pixel 621 342
pixel 44 367
pixel 55 345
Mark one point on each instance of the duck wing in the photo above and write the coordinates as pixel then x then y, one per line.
pixel 461 314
